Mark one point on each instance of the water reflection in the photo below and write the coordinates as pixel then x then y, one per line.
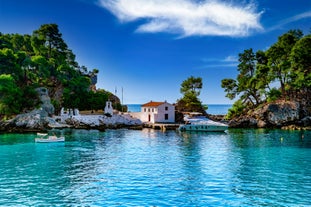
pixel 271 164
pixel 154 168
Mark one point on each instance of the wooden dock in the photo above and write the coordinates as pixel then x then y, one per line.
pixel 161 126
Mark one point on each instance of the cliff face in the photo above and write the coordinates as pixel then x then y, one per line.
pixel 278 115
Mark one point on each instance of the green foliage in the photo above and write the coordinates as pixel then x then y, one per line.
pixel 191 89
pixel 287 63
pixel 231 88
pixel 43 59
pixel 10 95
pixel 273 95
pixel 300 58
pixel 236 109
pixel 278 58
pixel 192 85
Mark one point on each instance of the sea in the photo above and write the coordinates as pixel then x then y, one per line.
pixel 241 167
pixel 214 109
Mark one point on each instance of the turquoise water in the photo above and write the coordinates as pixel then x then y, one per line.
pixel 215 109
pixel 154 168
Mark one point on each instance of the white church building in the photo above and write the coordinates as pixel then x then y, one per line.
pixel 157 112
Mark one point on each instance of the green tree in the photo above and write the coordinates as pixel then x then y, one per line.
pixel 236 109
pixel 44 59
pixel 262 73
pixel 231 88
pixel 191 89
pixel 8 62
pixel 247 80
pixel 246 84
pixel 192 85
pixel 10 95
pixel 278 58
pixel 300 58
pixel 47 42
pixel 75 91
pixel 49 39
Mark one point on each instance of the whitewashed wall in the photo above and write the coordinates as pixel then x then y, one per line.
pixel 157 114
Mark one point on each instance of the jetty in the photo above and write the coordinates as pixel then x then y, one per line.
pixel 161 126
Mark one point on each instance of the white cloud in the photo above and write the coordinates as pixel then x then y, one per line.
pixel 292 19
pixel 187 17
pixel 231 58
pixel 229 61
pixel 297 17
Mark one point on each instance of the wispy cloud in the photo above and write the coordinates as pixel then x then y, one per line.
pixel 187 17
pixel 231 58
pixel 229 61
pixel 292 19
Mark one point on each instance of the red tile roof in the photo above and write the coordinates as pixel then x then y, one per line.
pixel 152 104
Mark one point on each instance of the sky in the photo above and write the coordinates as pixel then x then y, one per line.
pixel 145 49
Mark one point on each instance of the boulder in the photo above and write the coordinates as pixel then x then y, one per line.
pixel 306 121
pixel 45 100
pixel 277 114
pixel 36 120
pixel 283 113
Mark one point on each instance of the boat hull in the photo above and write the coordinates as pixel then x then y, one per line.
pixel 203 128
pixel 42 140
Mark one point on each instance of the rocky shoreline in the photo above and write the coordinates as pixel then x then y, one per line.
pixel 42 119
pixel 283 115
pixel 32 122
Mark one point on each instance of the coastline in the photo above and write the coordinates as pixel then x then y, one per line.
pixel 285 116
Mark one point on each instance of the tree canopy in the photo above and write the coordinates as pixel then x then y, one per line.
pixel 43 59
pixel 283 71
pixel 191 89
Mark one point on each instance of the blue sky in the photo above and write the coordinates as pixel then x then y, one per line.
pixel 148 47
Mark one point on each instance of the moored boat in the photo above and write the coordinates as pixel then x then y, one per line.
pixel 196 122
pixel 44 138
pixel 50 139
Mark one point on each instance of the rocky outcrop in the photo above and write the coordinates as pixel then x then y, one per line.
pixel 102 121
pixel 43 118
pixel 277 114
pixel 36 120
pixel 45 100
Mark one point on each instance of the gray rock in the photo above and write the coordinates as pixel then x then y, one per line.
pixel 37 119
pixel 271 115
pixel 306 121
pixel 46 101
pixel 282 113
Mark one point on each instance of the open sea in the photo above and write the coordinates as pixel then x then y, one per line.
pixel 154 168
pixel 215 109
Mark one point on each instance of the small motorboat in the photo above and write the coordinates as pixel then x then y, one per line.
pixel 44 138
pixel 195 122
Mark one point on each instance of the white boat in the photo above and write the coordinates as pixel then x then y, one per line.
pixel 49 139
pixel 42 134
pixel 196 122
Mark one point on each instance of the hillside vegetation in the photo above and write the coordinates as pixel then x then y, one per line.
pixel 43 59
pixel 281 73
